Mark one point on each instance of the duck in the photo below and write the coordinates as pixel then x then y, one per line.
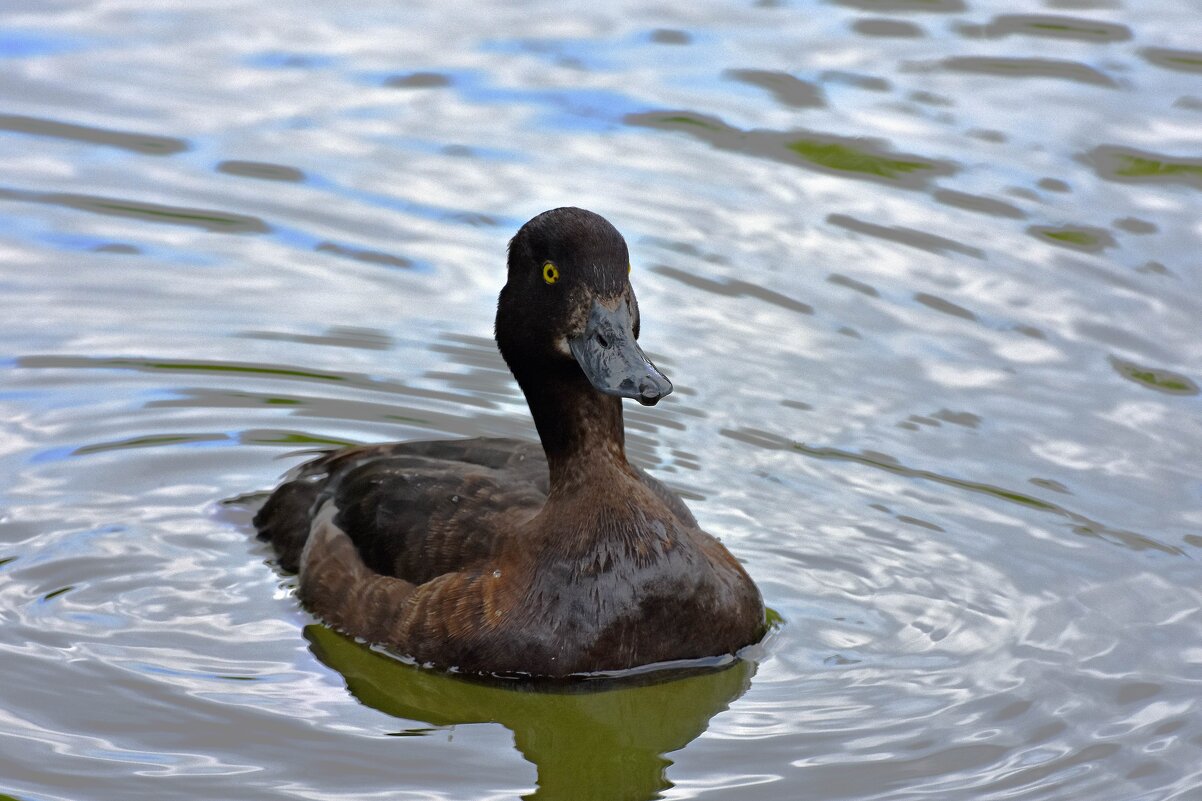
pixel 508 557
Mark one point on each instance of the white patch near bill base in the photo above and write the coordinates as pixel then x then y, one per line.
pixel 321 531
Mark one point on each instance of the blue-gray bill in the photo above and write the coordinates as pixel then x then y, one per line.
pixel 612 360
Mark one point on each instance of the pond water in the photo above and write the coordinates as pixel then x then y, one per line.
pixel 927 275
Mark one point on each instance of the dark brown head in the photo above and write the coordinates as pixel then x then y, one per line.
pixel 567 308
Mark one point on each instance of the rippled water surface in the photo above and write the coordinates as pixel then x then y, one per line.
pixel 926 274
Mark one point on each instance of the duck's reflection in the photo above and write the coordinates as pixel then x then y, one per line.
pixel 603 740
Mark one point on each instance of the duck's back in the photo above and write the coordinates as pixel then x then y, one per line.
pixel 417 510
pixel 414 510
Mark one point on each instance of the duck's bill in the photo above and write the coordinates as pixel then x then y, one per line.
pixel 612 360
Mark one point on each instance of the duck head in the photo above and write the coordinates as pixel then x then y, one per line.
pixel 567 308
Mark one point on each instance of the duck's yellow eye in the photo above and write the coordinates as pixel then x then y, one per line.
pixel 550 273
pixel 628 268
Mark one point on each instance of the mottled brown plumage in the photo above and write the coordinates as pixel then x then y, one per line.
pixel 498 556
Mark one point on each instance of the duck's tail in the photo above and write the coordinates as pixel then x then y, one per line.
pixel 286 518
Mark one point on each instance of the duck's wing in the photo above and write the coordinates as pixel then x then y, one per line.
pixel 413 510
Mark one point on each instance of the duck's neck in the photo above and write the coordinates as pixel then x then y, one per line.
pixel 581 429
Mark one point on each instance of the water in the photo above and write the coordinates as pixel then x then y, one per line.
pixel 925 274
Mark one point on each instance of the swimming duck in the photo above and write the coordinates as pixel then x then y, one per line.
pixel 498 556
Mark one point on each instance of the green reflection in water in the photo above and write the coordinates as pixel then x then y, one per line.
pixel 147 442
pixel 1071 236
pixel 212 367
pixel 185 216
pixel 1141 167
pixel 1076 237
pixel 1128 164
pixel 1029 68
pixel 590 740
pixel 88 362
pixel 1052 27
pixel 845 158
pixel 1059 27
pixel 1183 60
pixel 681 119
pixel 848 157
pixel 400 418
pixel 273 437
pixel 126 140
pixel 208 219
pixel 1155 378
pixel 903 6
